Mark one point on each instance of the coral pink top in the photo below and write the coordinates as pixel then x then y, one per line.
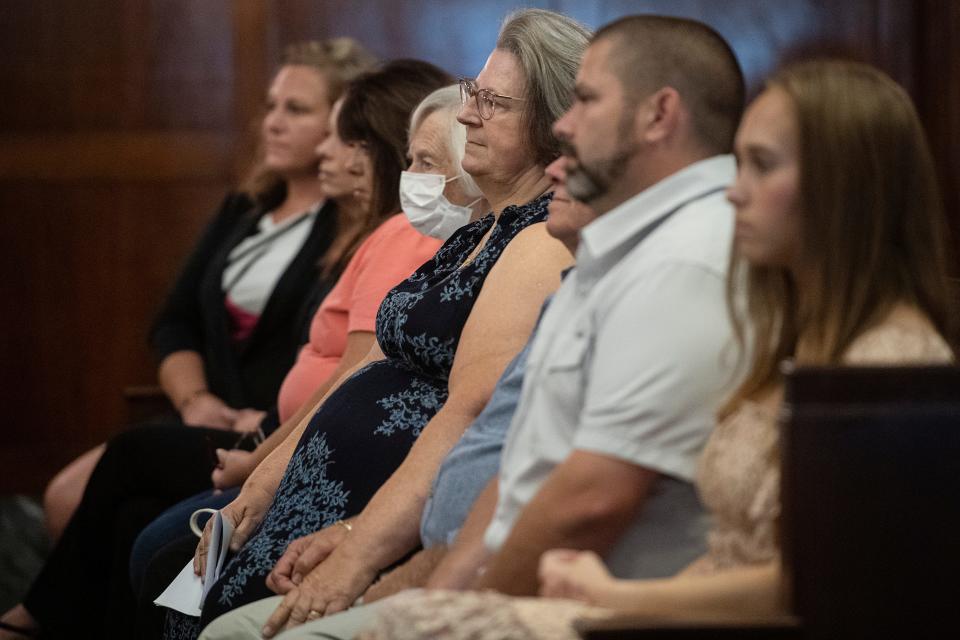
pixel 387 257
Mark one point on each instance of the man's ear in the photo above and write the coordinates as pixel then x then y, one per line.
pixel 658 116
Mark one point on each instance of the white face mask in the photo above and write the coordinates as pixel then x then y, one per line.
pixel 427 209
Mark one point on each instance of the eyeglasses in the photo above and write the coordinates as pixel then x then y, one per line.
pixel 486 99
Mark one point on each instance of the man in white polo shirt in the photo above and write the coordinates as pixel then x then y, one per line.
pixel 635 351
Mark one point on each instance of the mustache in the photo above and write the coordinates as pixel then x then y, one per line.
pixel 567 150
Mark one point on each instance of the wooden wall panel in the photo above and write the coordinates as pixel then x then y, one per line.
pixel 119 132
pixel 116 143
pixel 253 65
pixel 117 156
pixel 190 69
pixel 938 95
pixel 61 78
pixel 99 259
pixel 454 34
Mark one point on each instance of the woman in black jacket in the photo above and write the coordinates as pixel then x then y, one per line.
pixel 231 326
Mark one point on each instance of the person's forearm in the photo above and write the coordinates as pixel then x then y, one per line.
pixel 181 376
pixel 744 591
pixel 273 454
pixel 389 526
pixel 459 567
pixel 586 503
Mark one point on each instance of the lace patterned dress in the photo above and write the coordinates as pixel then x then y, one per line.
pixel 364 430
pixel 739 473
pixel 739 482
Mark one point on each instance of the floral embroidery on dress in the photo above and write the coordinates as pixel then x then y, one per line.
pixel 456 291
pixel 177 626
pixel 410 407
pixel 305 493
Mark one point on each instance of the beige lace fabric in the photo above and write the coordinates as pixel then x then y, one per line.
pixel 738 475
pixel 474 615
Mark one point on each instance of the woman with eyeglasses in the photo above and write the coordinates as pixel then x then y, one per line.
pixel 444 336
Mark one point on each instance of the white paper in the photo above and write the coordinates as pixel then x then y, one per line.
pixel 184 593
pixel 187 592
pixel 217 553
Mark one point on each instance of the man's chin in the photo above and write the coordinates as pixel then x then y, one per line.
pixel 582 188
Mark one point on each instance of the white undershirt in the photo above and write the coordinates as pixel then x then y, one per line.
pixel 255 265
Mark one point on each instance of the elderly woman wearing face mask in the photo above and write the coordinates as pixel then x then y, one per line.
pixel 437 195
pixel 507 112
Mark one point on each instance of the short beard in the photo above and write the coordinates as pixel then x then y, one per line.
pixel 587 183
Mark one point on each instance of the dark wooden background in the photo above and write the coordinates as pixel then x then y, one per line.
pixel 121 126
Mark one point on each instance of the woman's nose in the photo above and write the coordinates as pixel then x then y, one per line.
pixel 735 194
pixel 468 114
pixel 273 121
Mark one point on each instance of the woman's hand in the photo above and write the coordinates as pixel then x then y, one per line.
pixel 578 575
pixel 245 513
pixel 233 467
pixel 331 587
pixel 302 555
pixel 207 410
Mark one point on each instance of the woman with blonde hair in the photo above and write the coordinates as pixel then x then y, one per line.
pixel 226 336
pixel 840 258
pixel 227 333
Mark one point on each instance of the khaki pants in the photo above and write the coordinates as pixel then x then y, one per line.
pixel 247 622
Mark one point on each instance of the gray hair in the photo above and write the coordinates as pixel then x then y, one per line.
pixel 446 101
pixel 549 47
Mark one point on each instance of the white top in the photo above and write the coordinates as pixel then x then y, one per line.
pixel 631 360
pixel 255 265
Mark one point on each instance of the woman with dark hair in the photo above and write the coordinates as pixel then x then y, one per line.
pixel 839 259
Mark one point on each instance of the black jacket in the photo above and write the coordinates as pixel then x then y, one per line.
pixel 194 317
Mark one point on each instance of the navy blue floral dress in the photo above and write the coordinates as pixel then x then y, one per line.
pixel 364 430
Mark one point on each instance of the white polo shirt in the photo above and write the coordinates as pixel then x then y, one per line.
pixel 631 360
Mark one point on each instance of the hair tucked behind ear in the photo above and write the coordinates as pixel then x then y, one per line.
pixel 873 233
